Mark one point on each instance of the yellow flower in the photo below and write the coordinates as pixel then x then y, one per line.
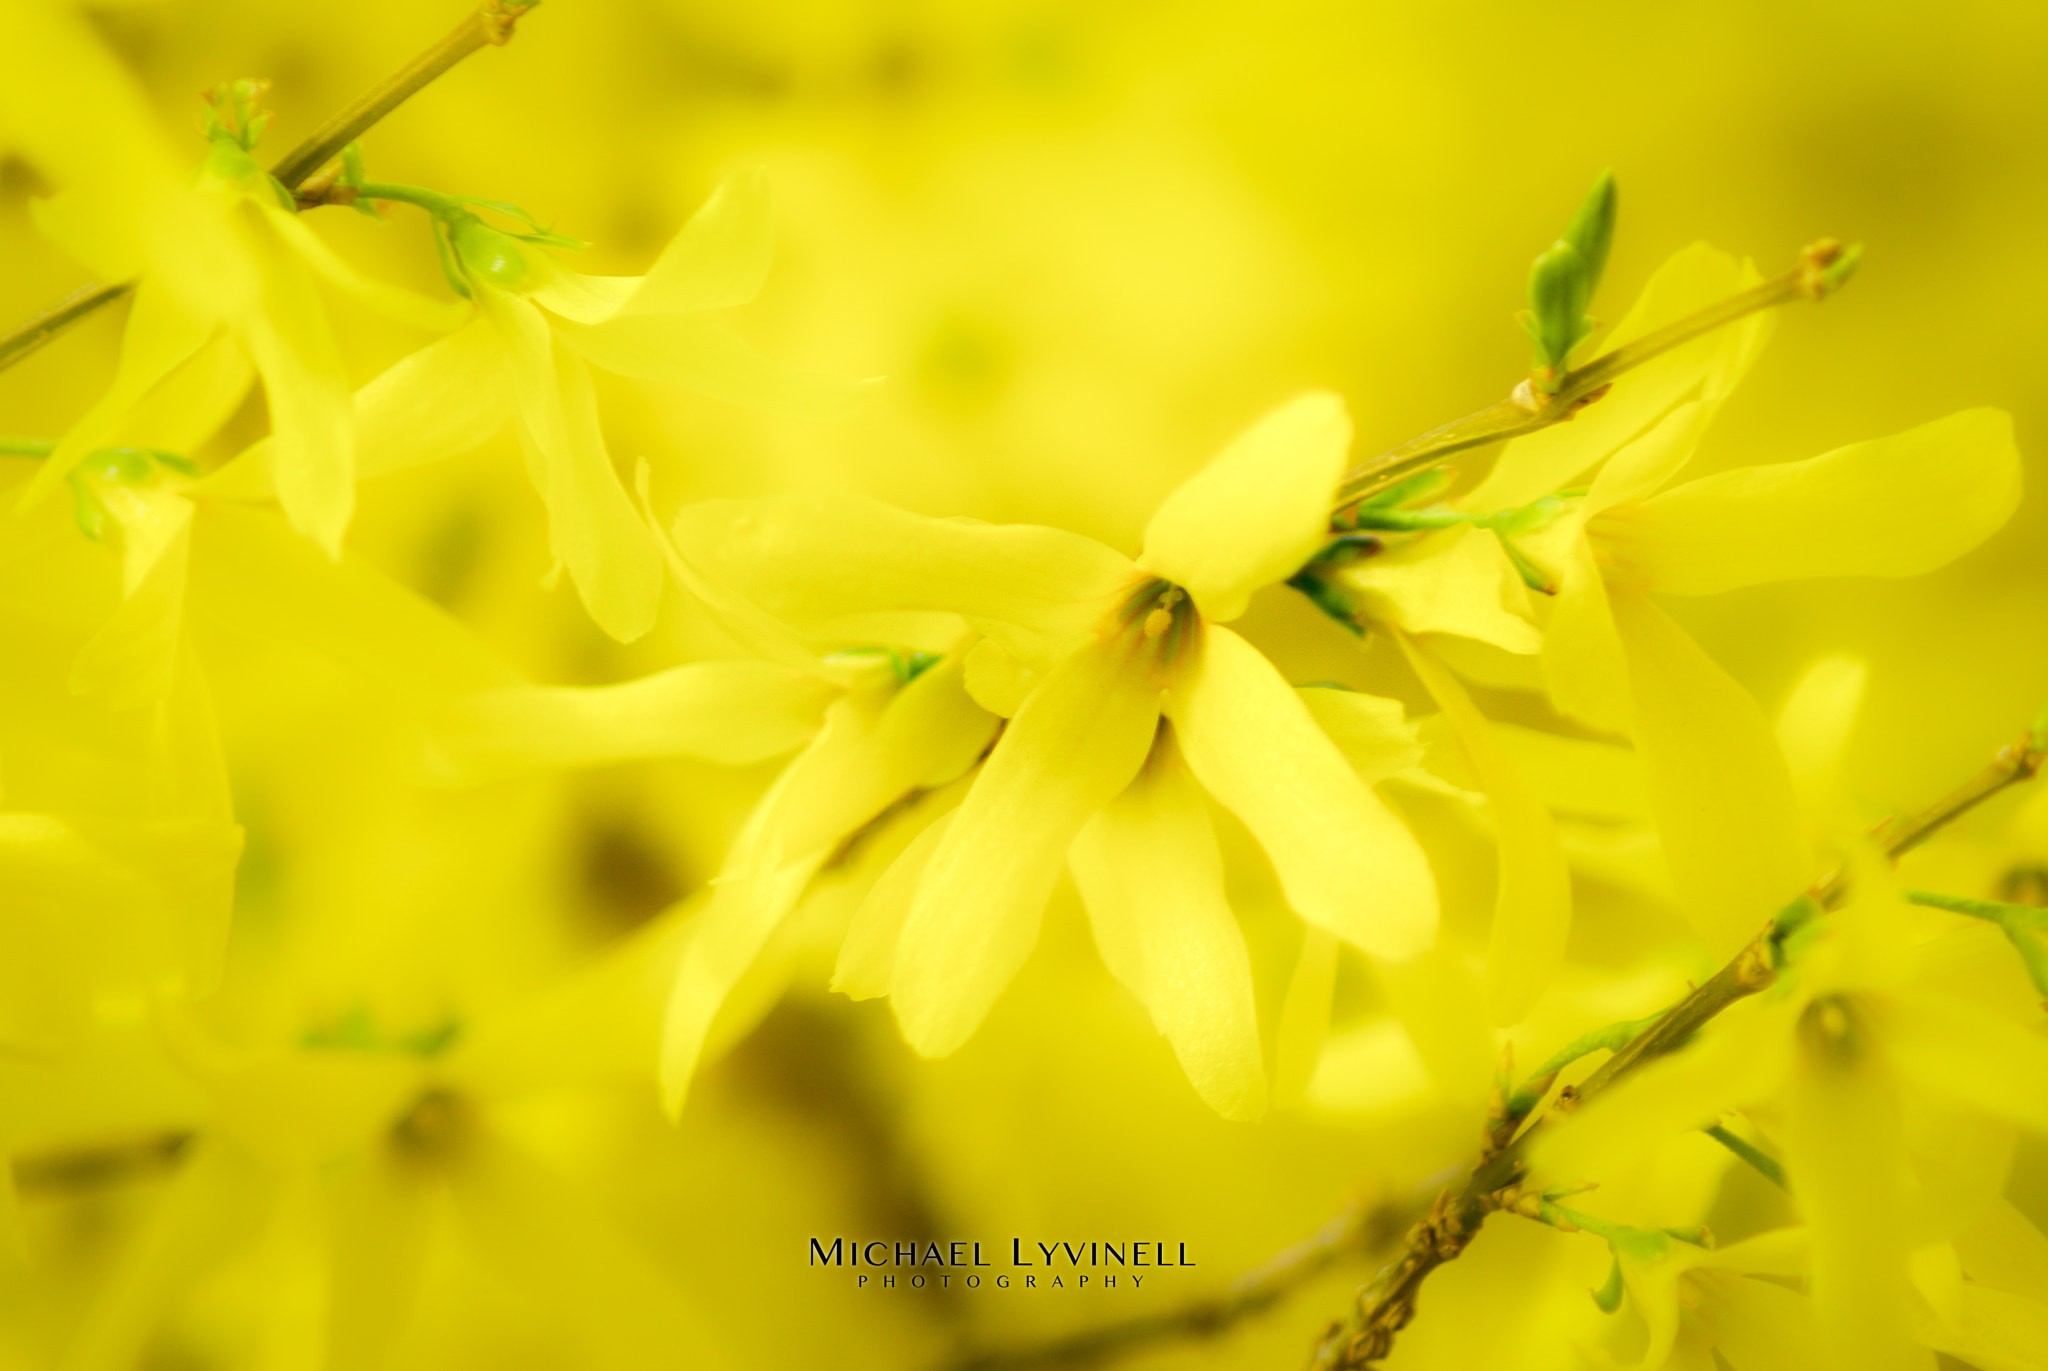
pixel 528 357
pixel 228 254
pixel 1127 698
pixel 1882 1029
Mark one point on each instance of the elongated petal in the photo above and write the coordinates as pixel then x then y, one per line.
pixel 727 712
pixel 303 380
pixel 1255 514
pixel 1074 745
pixel 756 893
pixel 1305 1016
pixel 721 257
pixel 1344 860
pixel 131 659
pixel 1532 908
pixel 162 335
pixel 703 355
pixel 814 560
pixel 1845 1156
pixel 1152 880
pixel 409 307
pixel 1369 731
pixel 1584 668
pixel 1718 784
pixel 445 399
pixel 250 574
pixel 1897 506
pixel 1645 465
pixel 927 734
pixel 1689 281
pixel 183 410
pixel 1457 581
pixel 592 526
pixel 867 959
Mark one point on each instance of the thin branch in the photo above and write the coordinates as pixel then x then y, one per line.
pixel 1823 266
pixel 489 26
pixel 1385 1305
pixel 1358 1232
pixel 57 318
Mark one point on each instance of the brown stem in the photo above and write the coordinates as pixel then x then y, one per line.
pixel 1528 410
pixel 490 25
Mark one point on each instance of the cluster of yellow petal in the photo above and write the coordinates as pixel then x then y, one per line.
pixel 303 910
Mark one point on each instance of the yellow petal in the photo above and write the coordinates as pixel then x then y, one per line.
pixel 131 659
pixel 1442 1008
pixel 1845 1157
pixel 1950 1048
pixel 162 335
pixel 1648 463
pixel 1255 514
pixel 1532 908
pixel 1814 728
pixel 727 712
pixel 1305 1016
pixel 592 526
pixel 445 399
pixel 816 560
pixel 249 574
pixel 1897 506
pixel 757 889
pixel 926 734
pixel 1689 281
pixel 1370 732
pixel 867 959
pixel 1343 859
pixel 1074 745
pixel 1577 775
pixel 313 431
pixel 1719 787
pixel 1584 668
pixel 1457 581
pixel 703 355
pixel 1152 880
pixel 750 626
pixel 409 307
pixel 185 408
pixel 721 257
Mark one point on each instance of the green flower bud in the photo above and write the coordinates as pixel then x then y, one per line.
pixel 1562 281
pixel 489 255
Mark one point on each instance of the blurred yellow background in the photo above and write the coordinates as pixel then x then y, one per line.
pixel 1086 245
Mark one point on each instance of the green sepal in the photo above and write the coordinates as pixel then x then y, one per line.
pixel 904 664
pixel 1533 576
pixel 1326 597
pixel 87 509
pixel 1608 1296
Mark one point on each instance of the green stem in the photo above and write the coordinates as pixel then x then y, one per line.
pixel 26 447
pixel 1765 1164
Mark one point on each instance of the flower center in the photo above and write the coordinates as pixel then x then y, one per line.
pixel 1160 618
